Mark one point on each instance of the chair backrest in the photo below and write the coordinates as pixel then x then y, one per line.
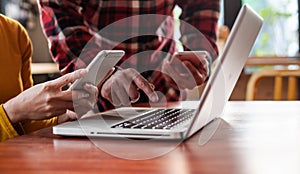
pixel 223 33
pixel 278 75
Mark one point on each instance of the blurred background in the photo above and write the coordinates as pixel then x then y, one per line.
pixel 276 48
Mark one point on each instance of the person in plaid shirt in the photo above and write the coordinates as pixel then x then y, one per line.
pixel 77 30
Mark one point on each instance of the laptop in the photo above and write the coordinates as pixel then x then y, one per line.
pixel 182 121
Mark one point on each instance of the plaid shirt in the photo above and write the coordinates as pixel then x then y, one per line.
pixel 78 29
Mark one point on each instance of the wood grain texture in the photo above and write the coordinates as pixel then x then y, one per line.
pixel 252 137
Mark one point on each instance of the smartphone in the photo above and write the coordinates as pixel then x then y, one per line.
pixel 193 53
pixel 103 62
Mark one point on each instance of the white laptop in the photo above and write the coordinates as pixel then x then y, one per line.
pixel 182 121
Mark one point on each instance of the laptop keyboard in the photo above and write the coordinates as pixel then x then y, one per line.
pixel 158 119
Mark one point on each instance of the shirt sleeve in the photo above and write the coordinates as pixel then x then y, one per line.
pixel 199 29
pixel 68 33
pixel 33 125
pixel 26 50
pixel 7 131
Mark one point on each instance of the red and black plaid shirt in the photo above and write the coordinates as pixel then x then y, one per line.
pixel 78 29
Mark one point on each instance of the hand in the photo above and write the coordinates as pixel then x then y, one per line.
pixel 68 116
pixel 122 88
pixel 83 104
pixel 45 100
pixel 187 71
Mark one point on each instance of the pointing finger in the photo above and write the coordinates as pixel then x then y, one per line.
pixel 143 84
pixel 68 78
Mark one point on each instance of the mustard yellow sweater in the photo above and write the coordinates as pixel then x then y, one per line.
pixel 15 75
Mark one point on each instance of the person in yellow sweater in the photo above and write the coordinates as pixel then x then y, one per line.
pixel 23 107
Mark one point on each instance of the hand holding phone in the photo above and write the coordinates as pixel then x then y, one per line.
pixel 188 69
pixel 103 62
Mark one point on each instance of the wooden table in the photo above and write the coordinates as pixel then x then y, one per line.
pixel 257 137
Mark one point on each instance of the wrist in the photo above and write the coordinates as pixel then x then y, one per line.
pixel 11 112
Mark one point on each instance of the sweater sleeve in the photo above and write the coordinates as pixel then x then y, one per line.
pixel 33 125
pixel 7 130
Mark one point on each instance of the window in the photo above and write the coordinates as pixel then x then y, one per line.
pixel 11 8
pixel 25 11
pixel 280 34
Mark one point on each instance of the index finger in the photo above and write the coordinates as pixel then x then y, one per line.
pixel 145 86
pixel 68 78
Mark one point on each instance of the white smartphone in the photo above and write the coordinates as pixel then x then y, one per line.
pixel 98 68
pixel 193 53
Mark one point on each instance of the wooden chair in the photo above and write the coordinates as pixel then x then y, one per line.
pixel 223 33
pixel 291 75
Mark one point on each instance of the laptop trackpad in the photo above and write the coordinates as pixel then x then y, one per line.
pixel 114 116
pixel 125 113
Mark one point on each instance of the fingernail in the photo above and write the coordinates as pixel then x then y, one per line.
pixel 154 97
pixel 152 86
pixel 83 71
pixel 135 100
